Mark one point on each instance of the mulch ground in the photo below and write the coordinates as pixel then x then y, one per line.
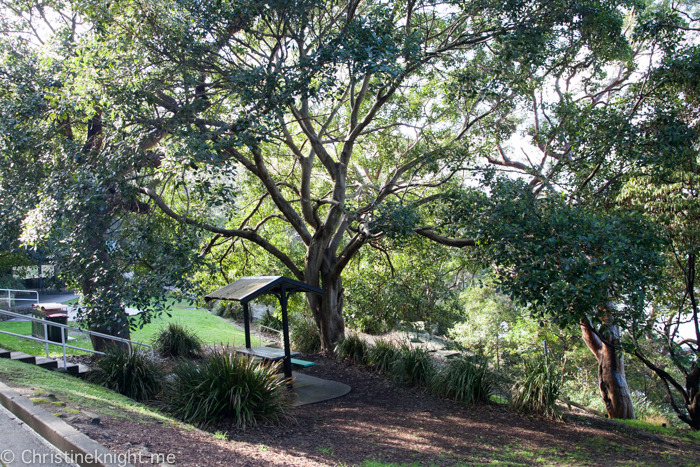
pixel 382 421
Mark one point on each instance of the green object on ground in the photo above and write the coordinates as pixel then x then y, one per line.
pixel 302 363
pixel 131 373
pixel 175 340
pixel 225 385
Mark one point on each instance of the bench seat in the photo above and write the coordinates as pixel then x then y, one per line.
pixel 302 363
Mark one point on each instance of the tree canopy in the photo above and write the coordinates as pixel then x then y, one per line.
pixel 150 135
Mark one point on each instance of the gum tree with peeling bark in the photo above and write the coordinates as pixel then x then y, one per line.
pixel 569 265
pixel 590 136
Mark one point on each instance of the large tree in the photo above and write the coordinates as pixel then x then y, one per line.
pixel 343 116
pixel 67 175
pixel 589 131
pixel 571 266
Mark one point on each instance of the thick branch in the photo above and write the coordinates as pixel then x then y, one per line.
pixel 245 234
pixel 279 200
pixel 428 233
pixel 348 252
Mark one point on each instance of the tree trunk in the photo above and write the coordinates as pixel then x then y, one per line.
pixel 104 315
pixel 327 309
pixel 692 386
pixel 118 327
pixel 611 371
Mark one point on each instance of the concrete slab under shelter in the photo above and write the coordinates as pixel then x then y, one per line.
pixel 309 390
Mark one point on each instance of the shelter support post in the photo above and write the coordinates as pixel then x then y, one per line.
pixel 246 321
pixel 285 327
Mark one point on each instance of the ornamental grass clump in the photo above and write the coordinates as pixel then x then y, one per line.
pixel 466 380
pixel 132 374
pixel 175 340
pixel 304 336
pixel 382 355
pixel 412 365
pixel 352 348
pixel 225 385
pixel 539 389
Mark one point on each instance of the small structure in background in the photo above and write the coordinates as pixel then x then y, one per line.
pixel 306 389
pixel 54 312
pixel 246 289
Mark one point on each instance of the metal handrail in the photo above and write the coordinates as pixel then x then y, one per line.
pixel 63 336
pixel 10 298
pixel 271 329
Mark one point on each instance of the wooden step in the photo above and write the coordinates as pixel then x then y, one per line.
pixel 75 369
pixel 71 368
pixel 23 357
pixel 48 363
pixel 4 353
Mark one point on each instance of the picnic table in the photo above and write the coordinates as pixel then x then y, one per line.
pixel 246 289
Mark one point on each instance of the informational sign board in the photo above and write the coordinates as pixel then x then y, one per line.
pixel 32 272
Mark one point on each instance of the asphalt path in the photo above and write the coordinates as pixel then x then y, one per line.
pixel 22 446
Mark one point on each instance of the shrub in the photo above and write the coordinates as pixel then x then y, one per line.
pixel 381 355
pixel 465 379
pixel 539 389
pixel 176 340
pixel 304 336
pixel 412 365
pixel 226 385
pixel 229 309
pixel 270 320
pixel 133 374
pixel 352 348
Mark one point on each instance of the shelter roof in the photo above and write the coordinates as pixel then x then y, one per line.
pixel 246 289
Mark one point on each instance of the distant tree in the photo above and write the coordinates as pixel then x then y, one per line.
pixel 666 189
pixel 569 266
pixel 393 282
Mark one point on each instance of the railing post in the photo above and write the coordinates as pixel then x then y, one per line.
pixel 46 337
pixel 63 344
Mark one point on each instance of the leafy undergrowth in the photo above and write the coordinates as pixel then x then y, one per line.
pixel 685 434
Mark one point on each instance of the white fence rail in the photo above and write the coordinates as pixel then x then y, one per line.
pixel 63 343
pixel 10 295
pixel 269 331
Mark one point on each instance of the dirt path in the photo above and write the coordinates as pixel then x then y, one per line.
pixel 380 421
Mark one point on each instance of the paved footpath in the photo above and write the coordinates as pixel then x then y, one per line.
pixel 22 446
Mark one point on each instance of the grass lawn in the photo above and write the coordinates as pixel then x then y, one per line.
pixel 211 329
pixel 73 390
pixel 38 348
